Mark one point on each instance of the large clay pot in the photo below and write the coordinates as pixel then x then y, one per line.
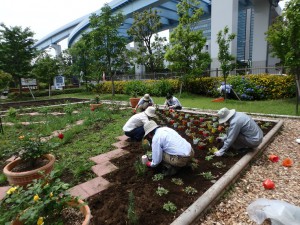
pixel 24 178
pixel 134 102
pixel 95 106
pixel 85 209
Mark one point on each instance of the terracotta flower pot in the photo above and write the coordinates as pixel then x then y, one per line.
pixel 84 209
pixel 134 102
pixel 24 178
pixel 95 106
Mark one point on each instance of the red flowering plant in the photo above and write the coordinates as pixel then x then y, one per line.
pixel 29 148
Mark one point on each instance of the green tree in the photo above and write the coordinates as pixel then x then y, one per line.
pixel 286 42
pixel 5 78
pixel 106 44
pixel 276 37
pixel 16 52
pixel 46 68
pixel 186 43
pixel 145 26
pixel 226 60
pixel 81 59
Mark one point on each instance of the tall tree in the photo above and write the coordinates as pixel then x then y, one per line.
pixel 289 37
pixel 5 78
pixel 276 36
pixel 81 59
pixel 106 44
pixel 226 60
pixel 16 52
pixel 46 68
pixel 186 43
pixel 146 24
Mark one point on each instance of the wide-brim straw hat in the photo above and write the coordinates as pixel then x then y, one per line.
pixel 225 114
pixel 150 111
pixel 149 126
pixel 146 97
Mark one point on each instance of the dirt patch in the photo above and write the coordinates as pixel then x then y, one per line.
pixel 18 105
pixel 111 206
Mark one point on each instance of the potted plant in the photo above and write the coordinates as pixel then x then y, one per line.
pixel 44 201
pixel 32 154
pixel 95 103
pixel 134 99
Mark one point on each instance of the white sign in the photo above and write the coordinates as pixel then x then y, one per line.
pixel 28 82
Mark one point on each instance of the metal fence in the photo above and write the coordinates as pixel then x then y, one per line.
pixel 209 73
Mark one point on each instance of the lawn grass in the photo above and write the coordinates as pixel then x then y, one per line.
pixel 278 107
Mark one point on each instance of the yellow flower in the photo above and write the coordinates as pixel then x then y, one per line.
pixel 40 221
pixel 36 198
pixel 11 190
pixel 51 195
pixel 21 137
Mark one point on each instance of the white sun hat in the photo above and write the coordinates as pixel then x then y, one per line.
pixel 149 126
pixel 147 97
pixel 150 111
pixel 225 114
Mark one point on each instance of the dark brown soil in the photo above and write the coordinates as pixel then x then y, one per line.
pixel 18 105
pixel 111 206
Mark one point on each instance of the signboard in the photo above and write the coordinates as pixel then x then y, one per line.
pixel 28 82
pixel 59 82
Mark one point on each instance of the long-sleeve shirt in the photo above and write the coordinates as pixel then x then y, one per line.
pixel 172 102
pixel 142 101
pixel 242 124
pixel 169 141
pixel 135 121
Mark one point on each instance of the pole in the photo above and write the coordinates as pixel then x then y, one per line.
pixel 1 126
pixel 31 92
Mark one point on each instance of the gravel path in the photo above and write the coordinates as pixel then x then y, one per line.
pixel 231 209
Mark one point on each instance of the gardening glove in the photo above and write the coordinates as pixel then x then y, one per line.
pixel 148 164
pixel 219 153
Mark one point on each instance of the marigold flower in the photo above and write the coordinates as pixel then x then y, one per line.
pixel 40 221
pixel 36 198
pixel 11 190
pixel 21 137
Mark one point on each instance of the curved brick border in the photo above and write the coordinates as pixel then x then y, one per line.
pixel 103 166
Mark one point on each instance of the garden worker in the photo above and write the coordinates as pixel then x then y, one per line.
pixel 144 103
pixel 133 128
pixel 168 147
pixel 243 133
pixel 172 102
pixel 226 89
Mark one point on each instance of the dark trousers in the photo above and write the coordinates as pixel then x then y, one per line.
pixel 136 134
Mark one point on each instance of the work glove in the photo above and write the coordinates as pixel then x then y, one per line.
pixel 219 153
pixel 148 164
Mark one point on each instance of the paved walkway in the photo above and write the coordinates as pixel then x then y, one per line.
pixel 103 166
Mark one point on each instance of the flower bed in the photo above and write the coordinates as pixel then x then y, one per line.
pixel 151 205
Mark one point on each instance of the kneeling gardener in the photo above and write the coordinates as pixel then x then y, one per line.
pixel 168 147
